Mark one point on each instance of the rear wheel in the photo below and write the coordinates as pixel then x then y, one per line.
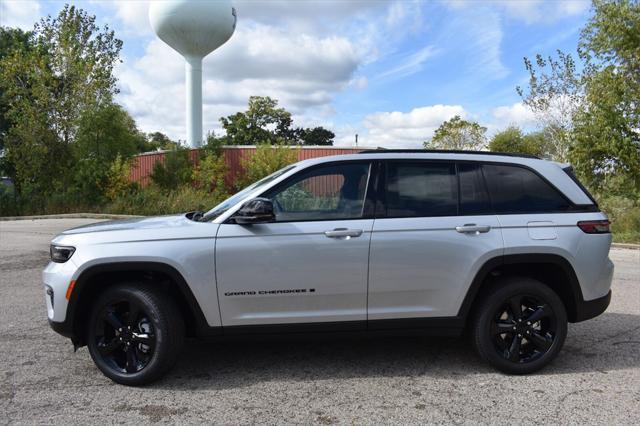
pixel 519 326
pixel 135 334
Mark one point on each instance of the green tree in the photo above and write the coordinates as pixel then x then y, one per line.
pixel 106 133
pixel 159 141
pixel 317 136
pixel 262 122
pixel 460 134
pixel 555 93
pixel 266 160
pixel 11 40
pixel 606 153
pixel 117 182
pixel 67 72
pixel 513 140
pixel 176 170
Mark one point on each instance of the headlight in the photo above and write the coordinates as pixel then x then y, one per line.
pixel 61 254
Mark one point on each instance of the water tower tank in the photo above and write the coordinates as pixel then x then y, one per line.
pixel 194 28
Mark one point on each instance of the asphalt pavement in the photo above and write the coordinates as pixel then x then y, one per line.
pixel 595 379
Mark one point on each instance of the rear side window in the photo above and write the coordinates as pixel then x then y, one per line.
pixel 474 198
pixel 518 190
pixel 421 189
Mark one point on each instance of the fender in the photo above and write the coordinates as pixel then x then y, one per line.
pixel 492 264
pixel 83 285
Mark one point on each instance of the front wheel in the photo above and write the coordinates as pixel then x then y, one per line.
pixel 519 326
pixel 134 333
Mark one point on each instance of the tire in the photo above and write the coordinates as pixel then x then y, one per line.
pixel 502 335
pixel 135 333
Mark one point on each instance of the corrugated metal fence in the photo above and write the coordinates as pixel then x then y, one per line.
pixel 142 165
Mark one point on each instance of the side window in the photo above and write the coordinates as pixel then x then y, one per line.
pixel 324 193
pixel 518 190
pixel 421 189
pixel 473 193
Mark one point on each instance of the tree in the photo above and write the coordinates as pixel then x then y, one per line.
pixel 67 72
pixel 457 133
pixel 555 93
pixel 266 160
pixel 106 133
pixel 11 39
pixel 263 122
pixel 607 130
pixel 318 136
pixel 159 141
pixel 174 171
pixel 513 140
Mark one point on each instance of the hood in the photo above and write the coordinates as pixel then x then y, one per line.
pixel 156 222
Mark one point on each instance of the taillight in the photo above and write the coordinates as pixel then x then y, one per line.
pixel 594 226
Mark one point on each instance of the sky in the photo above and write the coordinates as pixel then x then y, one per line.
pixel 389 71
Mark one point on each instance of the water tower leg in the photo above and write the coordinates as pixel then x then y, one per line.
pixel 193 69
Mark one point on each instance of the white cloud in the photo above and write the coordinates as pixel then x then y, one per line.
pixel 513 115
pixel 411 64
pixel 303 73
pixel 406 129
pixel 530 11
pixel 22 14
pixel 475 36
pixel 134 15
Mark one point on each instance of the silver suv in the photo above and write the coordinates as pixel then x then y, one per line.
pixel 510 248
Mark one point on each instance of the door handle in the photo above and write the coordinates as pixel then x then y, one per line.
pixel 343 233
pixel 472 228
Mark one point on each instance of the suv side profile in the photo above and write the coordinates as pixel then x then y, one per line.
pixel 508 247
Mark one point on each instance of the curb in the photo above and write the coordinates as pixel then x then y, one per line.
pixel 71 216
pixel 626 246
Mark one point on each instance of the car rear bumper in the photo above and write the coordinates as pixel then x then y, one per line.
pixel 588 309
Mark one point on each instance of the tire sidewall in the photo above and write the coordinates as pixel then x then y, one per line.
pixel 505 290
pixel 154 315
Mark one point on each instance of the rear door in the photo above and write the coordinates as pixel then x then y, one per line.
pixel 434 229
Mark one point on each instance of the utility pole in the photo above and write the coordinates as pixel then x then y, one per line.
pixel 356 140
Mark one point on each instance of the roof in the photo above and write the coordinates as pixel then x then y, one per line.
pixel 445 151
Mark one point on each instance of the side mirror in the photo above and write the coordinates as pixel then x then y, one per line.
pixel 258 210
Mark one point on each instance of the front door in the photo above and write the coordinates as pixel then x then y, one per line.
pixel 310 265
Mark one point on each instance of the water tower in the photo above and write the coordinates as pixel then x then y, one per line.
pixel 194 29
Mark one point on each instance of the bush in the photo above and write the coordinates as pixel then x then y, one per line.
pixel 210 175
pixel 155 201
pixel 174 172
pixel 117 179
pixel 624 214
pixel 266 160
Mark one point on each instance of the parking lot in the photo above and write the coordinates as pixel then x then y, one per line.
pixel 595 380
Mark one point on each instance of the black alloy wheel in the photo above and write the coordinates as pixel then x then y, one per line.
pixel 524 329
pixel 135 333
pixel 125 336
pixel 519 325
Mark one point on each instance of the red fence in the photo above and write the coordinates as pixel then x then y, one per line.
pixel 142 165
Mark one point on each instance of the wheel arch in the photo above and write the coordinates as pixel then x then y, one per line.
pixel 551 269
pixel 96 278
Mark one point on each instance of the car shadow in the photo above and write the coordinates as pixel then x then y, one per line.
pixel 609 342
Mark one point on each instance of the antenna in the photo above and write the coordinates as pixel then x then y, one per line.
pixel 193 28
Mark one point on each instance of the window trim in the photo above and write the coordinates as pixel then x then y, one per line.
pixel 381 205
pixel 573 207
pixel 383 213
pixel 367 210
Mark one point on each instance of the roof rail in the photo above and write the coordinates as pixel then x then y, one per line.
pixel 443 151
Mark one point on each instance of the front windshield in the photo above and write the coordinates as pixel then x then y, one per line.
pixel 234 199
